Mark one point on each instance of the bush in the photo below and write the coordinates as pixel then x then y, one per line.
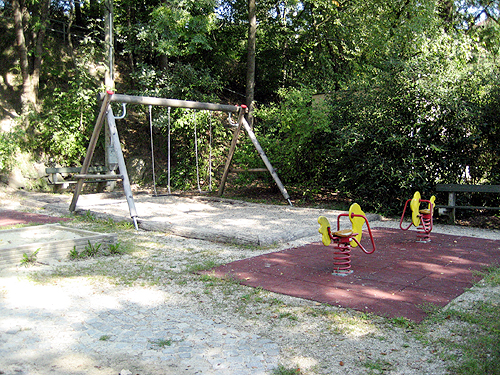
pixel 433 118
pixel 421 124
pixel 295 134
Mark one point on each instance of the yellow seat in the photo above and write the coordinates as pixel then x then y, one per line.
pixel 415 205
pixel 357 227
pixel 343 233
pixel 429 210
pixel 357 222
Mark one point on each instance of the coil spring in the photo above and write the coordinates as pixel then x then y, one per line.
pixel 342 259
pixel 423 234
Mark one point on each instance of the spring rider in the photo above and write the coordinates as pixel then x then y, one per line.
pixel 420 218
pixel 344 240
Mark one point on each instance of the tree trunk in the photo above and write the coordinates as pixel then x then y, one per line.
pixel 72 11
pixel 30 74
pixel 252 32
pixel 78 13
pixel 28 100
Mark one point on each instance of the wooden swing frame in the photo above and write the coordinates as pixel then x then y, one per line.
pixel 106 112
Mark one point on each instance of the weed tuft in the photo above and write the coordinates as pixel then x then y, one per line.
pixel 282 370
pixel 160 343
pixel 29 260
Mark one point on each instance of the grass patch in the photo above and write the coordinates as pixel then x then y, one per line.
pixel 473 344
pixel 160 343
pixel 283 370
pixel 480 348
pixel 102 225
pixel 203 266
pixel 377 366
pixel 491 275
pixel 403 322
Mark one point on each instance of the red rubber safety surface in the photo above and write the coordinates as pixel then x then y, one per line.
pixel 9 217
pixel 397 280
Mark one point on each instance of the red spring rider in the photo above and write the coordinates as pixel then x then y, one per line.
pixel 420 218
pixel 344 240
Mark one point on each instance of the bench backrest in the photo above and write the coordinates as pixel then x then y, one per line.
pixel 468 188
pixel 101 169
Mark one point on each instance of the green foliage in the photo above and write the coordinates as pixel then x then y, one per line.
pixel 62 130
pixel 115 249
pixel 401 133
pixel 413 91
pixel 90 251
pixel 31 259
pixel 8 148
pixel 182 27
pixel 74 254
pixel 293 134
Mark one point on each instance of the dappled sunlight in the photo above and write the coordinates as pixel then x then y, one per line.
pixel 384 295
pixel 146 297
pixel 25 294
pixel 353 327
pixel 201 209
pixel 304 363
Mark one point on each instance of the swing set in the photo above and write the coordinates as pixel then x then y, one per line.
pixel 106 113
pixel 169 147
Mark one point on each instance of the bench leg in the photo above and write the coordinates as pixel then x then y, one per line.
pixel 56 188
pixel 451 202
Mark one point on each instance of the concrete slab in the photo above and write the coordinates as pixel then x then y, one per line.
pixel 206 218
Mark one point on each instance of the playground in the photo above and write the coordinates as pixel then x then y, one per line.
pixel 296 313
pixel 399 279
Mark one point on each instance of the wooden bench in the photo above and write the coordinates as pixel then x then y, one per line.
pixel 453 189
pixel 97 174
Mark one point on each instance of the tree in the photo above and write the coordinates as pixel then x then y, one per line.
pixel 30 27
pixel 252 34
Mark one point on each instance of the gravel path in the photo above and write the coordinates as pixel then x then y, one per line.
pixel 74 327
pixel 147 313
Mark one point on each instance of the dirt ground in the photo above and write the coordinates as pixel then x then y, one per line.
pixel 96 316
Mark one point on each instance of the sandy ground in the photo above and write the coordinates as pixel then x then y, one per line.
pixel 206 218
pixel 54 316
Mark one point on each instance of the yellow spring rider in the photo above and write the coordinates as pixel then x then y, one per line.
pixel 345 239
pixel 420 218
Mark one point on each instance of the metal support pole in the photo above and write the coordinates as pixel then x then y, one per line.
pixel 121 166
pixel 452 196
